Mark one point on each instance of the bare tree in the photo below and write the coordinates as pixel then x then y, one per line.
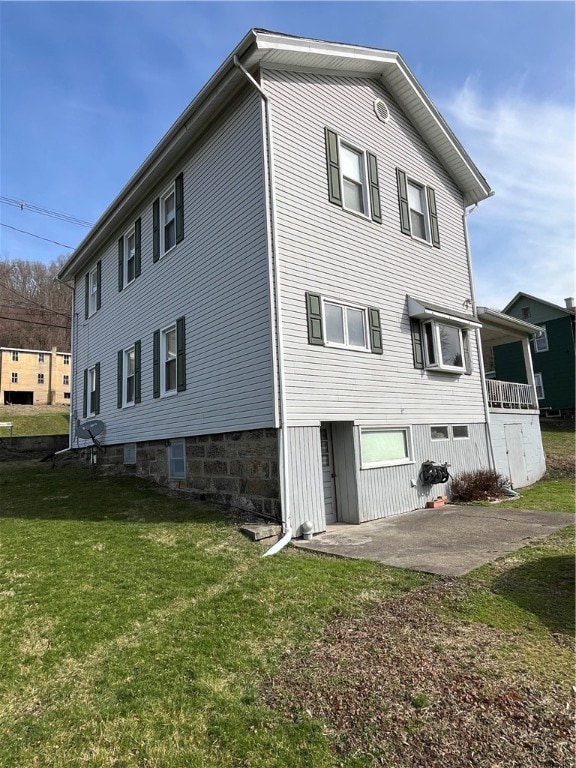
pixel 34 306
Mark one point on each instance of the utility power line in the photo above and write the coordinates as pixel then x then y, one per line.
pixel 33 322
pixel 24 206
pixel 71 247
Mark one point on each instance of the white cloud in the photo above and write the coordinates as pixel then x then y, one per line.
pixel 523 238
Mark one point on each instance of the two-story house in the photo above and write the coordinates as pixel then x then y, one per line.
pixel 553 353
pixel 277 310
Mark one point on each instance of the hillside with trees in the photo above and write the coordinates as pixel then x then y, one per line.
pixel 34 307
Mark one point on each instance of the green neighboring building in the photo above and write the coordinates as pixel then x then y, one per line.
pixel 553 352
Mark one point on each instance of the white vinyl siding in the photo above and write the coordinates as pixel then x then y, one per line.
pixel 331 255
pixel 217 277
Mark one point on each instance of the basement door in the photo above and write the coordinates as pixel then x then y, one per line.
pixel 515 453
pixel 328 473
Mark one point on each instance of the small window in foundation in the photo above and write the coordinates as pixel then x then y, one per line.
pixel 130 453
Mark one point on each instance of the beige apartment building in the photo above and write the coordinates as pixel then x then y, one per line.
pixel 35 376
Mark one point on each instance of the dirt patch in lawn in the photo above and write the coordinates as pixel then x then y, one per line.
pixel 401 686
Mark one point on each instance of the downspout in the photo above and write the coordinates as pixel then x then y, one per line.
pixel 274 270
pixel 479 340
pixel 72 359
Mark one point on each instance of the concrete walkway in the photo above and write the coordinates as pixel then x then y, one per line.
pixel 449 541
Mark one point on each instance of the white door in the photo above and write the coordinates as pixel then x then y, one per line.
pixel 515 453
pixel 328 473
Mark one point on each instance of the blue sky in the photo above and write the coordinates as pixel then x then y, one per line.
pixel 88 89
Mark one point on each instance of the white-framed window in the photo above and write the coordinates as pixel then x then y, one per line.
pixel 345 325
pixel 130 257
pixel 129 453
pixel 439 433
pixel 168 220
pixel 541 341
pixel 40 378
pixel 539 384
pixel 419 221
pixel 168 363
pixel 444 346
pixel 66 360
pixel 92 391
pixel 382 447
pixel 66 380
pixel 93 291
pixel 14 377
pixel 15 357
pixel 354 185
pixel 129 383
pixel 40 357
pixel 460 432
pixel 177 459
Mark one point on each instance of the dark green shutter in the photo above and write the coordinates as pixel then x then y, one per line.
pixel 375 330
pixel 374 186
pixel 121 263
pixel 156 230
pixel 314 316
pixel 97 407
pixel 467 355
pixel 156 364
pixel 98 285
pixel 403 202
pixel 416 331
pixel 181 354
pixel 119 379
pixel 137 247
pixel 137 372
pixel 179 186
pixel 333 166
pixel 86 294
pixel 434 231
pixel 85 396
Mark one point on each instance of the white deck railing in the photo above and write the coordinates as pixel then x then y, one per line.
pixel 508 394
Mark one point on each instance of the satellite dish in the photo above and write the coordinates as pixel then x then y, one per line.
pixel 90 429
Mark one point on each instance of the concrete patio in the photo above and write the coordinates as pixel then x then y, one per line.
pixel 450 541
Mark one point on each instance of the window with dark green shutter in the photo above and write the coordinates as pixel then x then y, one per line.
pixel 137 371
pixel 120 379
pixel 85 395
pixel 98 285
pixel 314 317
pixel 416 331
pixel 418 212
pixel 138 247
pixel 97 390
pixel 121 263
pixel 375 330
pixel 181 354
pixel 156 364
pixel 93 290
pixel 179 190
pixel 156 230
pixel 86 296
pixel 353 182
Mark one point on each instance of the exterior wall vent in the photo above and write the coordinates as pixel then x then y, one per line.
pixel 381 110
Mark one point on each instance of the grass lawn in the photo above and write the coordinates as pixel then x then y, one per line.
pixel 35 420
pixel 140 630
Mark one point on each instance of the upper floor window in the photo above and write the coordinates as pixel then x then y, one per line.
pixel 65 380
pixel 14 378
pixel 436 345
pixel 129 255
pixel 66 360
pixel 92 290
pixel 332 323
pixel 168 218
pixel 541 341
pixel 526 312
pixel 15 357
pixel 352 177
pixel 40 378
pixel 418 213
pixel 169 359
pixel 40 357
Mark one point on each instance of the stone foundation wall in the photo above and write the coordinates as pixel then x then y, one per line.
pixel 237 469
